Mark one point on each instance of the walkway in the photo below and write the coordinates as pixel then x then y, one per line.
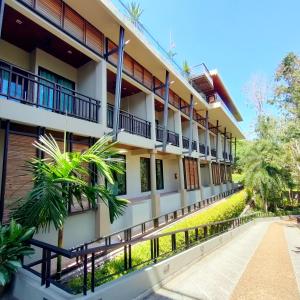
pixel 262 263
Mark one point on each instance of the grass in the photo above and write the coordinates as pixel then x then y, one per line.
pixel 114 268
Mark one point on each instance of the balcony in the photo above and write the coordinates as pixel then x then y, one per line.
pixel 172 137
pixel 129 123
pixel 230 157
pixel 186 143
pixel 213 152
pixel 28 88
pixel 202 149
pixel 225 155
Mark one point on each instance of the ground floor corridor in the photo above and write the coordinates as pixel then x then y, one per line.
pixel 261 263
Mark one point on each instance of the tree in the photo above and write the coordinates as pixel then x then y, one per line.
pixel 186 69
pixel 63 178
pixel 135 11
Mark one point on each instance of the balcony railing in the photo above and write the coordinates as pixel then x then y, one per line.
pixel 172 137
pixel 213 152
pixel 28 88
pixel 230 157
pixel 202 149
pixel 129 123
pixel 225 155
pixel 186 143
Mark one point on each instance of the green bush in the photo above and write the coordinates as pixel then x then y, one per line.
pixel 114 268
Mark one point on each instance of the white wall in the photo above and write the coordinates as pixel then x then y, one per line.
pixel 205 178
pixel 169 203
pixel 15 55
pixel 135 105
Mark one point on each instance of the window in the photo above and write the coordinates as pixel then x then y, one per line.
pixel 145 174
pixel 159 175
pixel 64 99
pixel 119 186
pixel 191 173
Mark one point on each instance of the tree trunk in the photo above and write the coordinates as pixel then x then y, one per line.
pixel 266 206
pixel 60 240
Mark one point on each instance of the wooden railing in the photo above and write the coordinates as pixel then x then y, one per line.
pixel 129 123
pixel 68 20
pixel 172 137
pixel 28 88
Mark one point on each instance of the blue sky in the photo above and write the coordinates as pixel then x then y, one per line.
pixel 238 37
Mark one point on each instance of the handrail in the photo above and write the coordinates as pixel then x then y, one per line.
pixel 32 89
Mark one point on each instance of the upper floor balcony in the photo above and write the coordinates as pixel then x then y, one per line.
pixel 172 137
pixel 129 123
pixel 19 85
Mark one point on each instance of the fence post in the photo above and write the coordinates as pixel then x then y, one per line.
pixel 93 273
pixel 85 274
pixel 48 268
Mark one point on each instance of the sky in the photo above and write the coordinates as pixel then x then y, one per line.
pixel 240 38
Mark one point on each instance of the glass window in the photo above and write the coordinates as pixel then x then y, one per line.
pixel 145 174
pixel 119 186
pixel 159 175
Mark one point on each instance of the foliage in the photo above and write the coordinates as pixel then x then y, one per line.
pixel 135 11
pixel 12 249
pixel 62 179
pixel 186 69
pixel 114 268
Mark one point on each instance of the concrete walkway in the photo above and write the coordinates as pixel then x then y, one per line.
pixel 262 263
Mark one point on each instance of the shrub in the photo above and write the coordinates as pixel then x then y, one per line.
pixel 114 268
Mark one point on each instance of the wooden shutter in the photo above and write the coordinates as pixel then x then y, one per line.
pixel 18 179
pixel 74 23
pixel 148 78
pixel 94 39
pixel 51 9
pixel 128 64
pixel 138 72
pixel 114 57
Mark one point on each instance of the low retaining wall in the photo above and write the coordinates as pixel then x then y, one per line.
pixel 130 286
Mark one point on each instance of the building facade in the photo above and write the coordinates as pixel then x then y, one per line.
pixel 85 69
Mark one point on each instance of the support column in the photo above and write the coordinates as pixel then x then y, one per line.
pixel 199 177
pixel 118 83
pixel 101 90
pixel 166 110
pixel 191 125
pixel 103 225
pixel 206 134
pixel 4 167
pixel 178 126
pixel 221 179
pixel 1 14
pixel 182 190
pixel 155 197
pixel 211 183
pixel 225 140
pixel 150 109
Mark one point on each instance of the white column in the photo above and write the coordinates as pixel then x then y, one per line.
pixel 211 179
pixel 177 126
pixel 199 177
pixel 101 91
pixel 150 114
pixel 182 190
pixel 155 197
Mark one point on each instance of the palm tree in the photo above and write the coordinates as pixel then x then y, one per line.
pixel 186 69
pixel 135 11
pixel 61 179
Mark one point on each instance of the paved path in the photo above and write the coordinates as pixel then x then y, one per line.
pixel 261 263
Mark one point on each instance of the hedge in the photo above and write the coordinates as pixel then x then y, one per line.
pixel 114 268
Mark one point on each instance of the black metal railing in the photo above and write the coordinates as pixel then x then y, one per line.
pixel 172 137
pixel 28 88
pixel 213 152
pixel 86 261
pixel 230 157
pixel 185 142
pixel 202 148
pixel 225 155
pixel 129 122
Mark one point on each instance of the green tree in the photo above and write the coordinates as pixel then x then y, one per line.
pixel 63 178
pixel 135 11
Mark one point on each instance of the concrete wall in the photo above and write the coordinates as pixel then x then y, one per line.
pixel 205 176
pixel 136 105
pixel 193 197
pixel 206 192
pixel 169 203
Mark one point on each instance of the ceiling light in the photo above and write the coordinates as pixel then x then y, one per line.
pixel 70 52
pixel 18 21
pixel 173 81
pixel 127 42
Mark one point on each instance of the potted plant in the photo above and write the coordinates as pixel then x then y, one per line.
pixel 186 69
pixel 13 248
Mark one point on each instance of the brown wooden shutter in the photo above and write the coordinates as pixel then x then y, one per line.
pixel 51 9
pixel 18 179
pixel 138 72
pixel 114 57
pixel 74 23
pixel 148 78
pixel 128 64
pixel 94 39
